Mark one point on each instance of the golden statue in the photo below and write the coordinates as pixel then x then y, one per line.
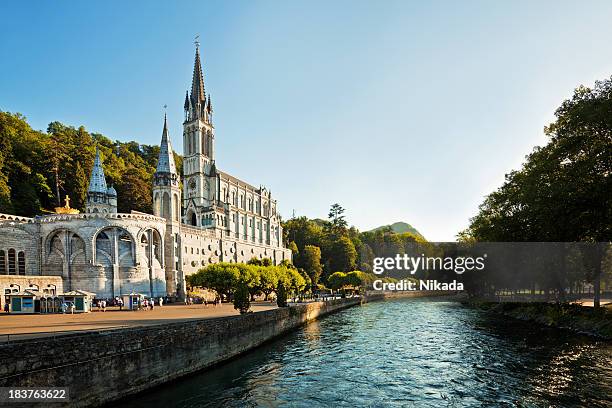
pixel 66 208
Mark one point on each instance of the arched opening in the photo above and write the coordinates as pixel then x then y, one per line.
pixel 2 262
pixel 177 211
pixel 110 239
pixel 21 263
pixel 156 205
pixel 166 206
pixel 65 256
pixel 12 269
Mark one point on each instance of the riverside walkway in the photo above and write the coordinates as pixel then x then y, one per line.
pixel 18 327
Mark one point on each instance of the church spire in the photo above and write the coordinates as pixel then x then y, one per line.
pixel 97 181
pixel 198 95
pixel 165 164
pixel 187 100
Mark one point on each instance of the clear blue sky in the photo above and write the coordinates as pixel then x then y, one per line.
pixel 400 110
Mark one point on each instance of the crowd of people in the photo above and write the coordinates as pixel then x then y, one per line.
pixel 149 303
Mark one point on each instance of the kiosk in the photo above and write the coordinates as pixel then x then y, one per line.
pixel 132 300
pixel 81 300
pixel 24 302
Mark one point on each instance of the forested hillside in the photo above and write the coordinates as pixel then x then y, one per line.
pixel 38 169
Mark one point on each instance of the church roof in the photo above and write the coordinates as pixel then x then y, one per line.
pixel 97 181
pixel 165 164
pixel 111 191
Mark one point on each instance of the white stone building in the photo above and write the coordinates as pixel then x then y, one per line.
pixel 216 218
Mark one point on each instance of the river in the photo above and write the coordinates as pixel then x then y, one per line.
pixel 405 353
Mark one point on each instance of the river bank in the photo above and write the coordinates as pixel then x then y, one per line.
pixel 576 318
pixel 403 352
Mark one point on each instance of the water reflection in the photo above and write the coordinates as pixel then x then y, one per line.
pixel 406 353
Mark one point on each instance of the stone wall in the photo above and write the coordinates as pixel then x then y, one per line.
pixel 99 367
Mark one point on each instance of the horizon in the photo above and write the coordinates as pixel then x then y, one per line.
pixel 428 99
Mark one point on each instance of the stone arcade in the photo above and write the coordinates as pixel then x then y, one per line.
pixel 216 218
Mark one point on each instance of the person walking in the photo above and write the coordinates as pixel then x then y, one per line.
pixel 120 303
pixel 161 301
pixel 145 304
pixel 152 303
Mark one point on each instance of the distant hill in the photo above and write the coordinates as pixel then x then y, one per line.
pixel 400 227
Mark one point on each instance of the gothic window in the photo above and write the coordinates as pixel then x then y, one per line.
pixel 156 205
pixel 176 207
pixel 166 205
pixel 11 262
pixel 2 262
pixel 21 262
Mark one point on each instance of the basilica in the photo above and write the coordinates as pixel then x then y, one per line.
pixel 214 217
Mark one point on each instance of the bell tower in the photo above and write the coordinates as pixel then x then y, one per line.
pixel 167 204
pixel 198 144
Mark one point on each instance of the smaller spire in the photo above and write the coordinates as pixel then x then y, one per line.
pixel 97 181
pixel 165 164
pixel 210 108
pixel 186 100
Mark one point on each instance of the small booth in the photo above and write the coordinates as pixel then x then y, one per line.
pixel 132 300
pixel 81 300
pixel 24 302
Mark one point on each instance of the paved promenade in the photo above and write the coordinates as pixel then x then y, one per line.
pixel 16 327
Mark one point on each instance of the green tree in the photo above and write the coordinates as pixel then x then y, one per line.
pixel 337 280
pixel 336 217
pixel 311 261
pixel 281 295
pixel 242 301
pixel 343 255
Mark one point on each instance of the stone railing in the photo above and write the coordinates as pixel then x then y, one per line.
pixel 91 216
pixel 14 218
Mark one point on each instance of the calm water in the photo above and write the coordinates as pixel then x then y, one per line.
pixel 406 353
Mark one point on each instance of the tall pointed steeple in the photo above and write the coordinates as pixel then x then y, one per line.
pixel 165 163
pixel 198 95
pixel 97 181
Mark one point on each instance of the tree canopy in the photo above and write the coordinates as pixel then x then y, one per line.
pixel 39 168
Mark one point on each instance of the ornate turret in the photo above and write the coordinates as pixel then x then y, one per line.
pixel 167 204
pixel 100 198
pixel 97 181
pixel 165 164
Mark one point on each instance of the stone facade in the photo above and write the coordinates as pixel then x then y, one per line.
pixel 215 218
